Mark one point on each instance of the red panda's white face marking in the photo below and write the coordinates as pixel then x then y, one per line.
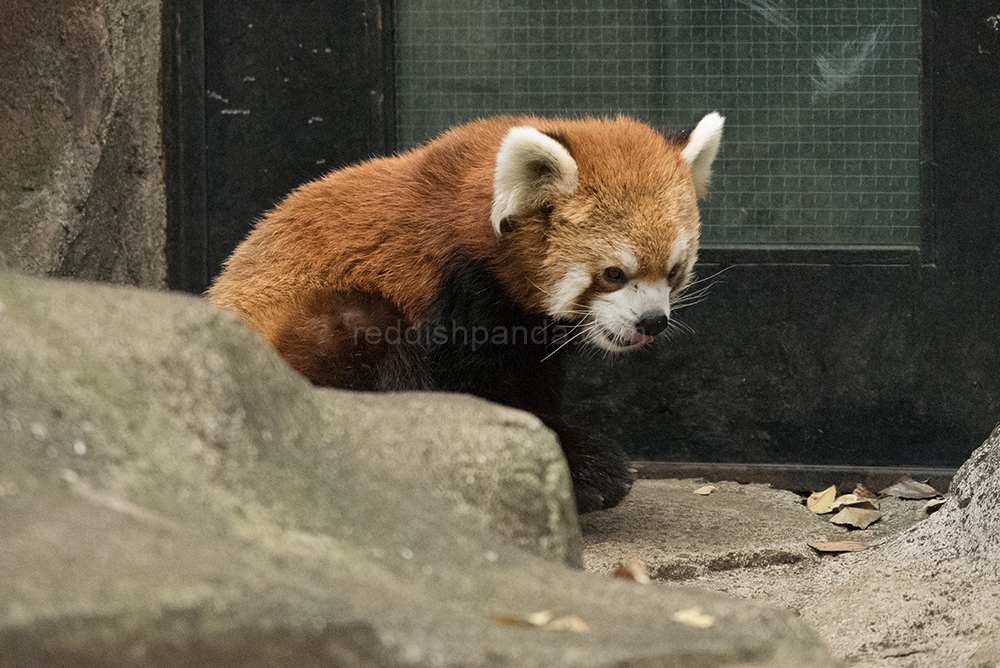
pixel 618 301
pixel 560 302
pixel 604 225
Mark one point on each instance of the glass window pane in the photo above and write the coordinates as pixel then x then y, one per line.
pixel 821 97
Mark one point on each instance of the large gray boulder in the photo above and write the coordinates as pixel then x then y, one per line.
pixel 172 494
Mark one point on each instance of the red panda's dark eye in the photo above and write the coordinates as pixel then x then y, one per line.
pixel 674 273
pixel 615 275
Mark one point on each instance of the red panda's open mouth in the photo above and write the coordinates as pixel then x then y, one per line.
pixel 613 340
pixel 626 342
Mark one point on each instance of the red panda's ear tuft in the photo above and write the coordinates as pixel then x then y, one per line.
pixel 700 150
pixel 531 169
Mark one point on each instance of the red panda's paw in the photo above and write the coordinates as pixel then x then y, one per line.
pixel 601 472
pixel 350 340
pixel 600 481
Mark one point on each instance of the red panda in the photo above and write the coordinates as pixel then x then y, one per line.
pixel 467 265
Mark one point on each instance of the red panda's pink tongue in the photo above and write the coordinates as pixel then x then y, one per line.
pixel 640 339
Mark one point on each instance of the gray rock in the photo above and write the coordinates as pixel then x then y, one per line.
pixel 501 464
pixel 81 189
pixel 932 592
pixel 975 491
pixel 172 494
pixel 196 375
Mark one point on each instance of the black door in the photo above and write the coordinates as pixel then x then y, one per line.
pixel 261 97
pixel 881 347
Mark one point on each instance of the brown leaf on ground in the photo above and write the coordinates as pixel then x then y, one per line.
pixel 933 505
pixel 511 620
pixel 705 490
pixel 844 500
pixel 632 570
pixel 822 502
pixel 853 500
pixel 906 487
pixel 863 492
pixel 540 618
pixel 859 518
pixel 837 545
pixel 543 619
pixel 568 623
pixel 693 617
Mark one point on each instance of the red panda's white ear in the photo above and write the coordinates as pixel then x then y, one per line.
pixel 701 148
pixel 531 169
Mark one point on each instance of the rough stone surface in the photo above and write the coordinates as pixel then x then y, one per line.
pixel 924 595
pixel 500 463
pixel 172 495
pixel 81 189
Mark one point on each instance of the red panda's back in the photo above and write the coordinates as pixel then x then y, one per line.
pixel 386 226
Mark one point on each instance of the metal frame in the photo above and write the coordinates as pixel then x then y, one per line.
pixel 183 118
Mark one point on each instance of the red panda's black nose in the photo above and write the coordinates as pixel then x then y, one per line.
pixel 652 323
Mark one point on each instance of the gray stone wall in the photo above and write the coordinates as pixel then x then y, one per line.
pixel 81 184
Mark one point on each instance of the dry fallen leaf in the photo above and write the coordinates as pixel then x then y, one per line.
pixel 544 619
pixel 822 502
pixel 854 500
pixel 511 620
pixel 837 545
pixel 693 617
pixel 632 570
pixel 569 623
pixel 859 518
pixel 844 500
pixel 705 490
pixel 933 505
pixel 540 618
pixel 908 488
pixel 863 492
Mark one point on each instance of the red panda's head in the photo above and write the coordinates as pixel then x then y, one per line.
pixel 598 221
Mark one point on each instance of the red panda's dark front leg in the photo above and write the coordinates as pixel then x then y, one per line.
pixel 484 343
pixel 602 473
pixel 351 340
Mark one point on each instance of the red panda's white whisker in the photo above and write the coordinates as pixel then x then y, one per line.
pixel 679 304
pixel 564 344
pixel 711 276
pixel 547 293
pixel 678 325
pixel 690 298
